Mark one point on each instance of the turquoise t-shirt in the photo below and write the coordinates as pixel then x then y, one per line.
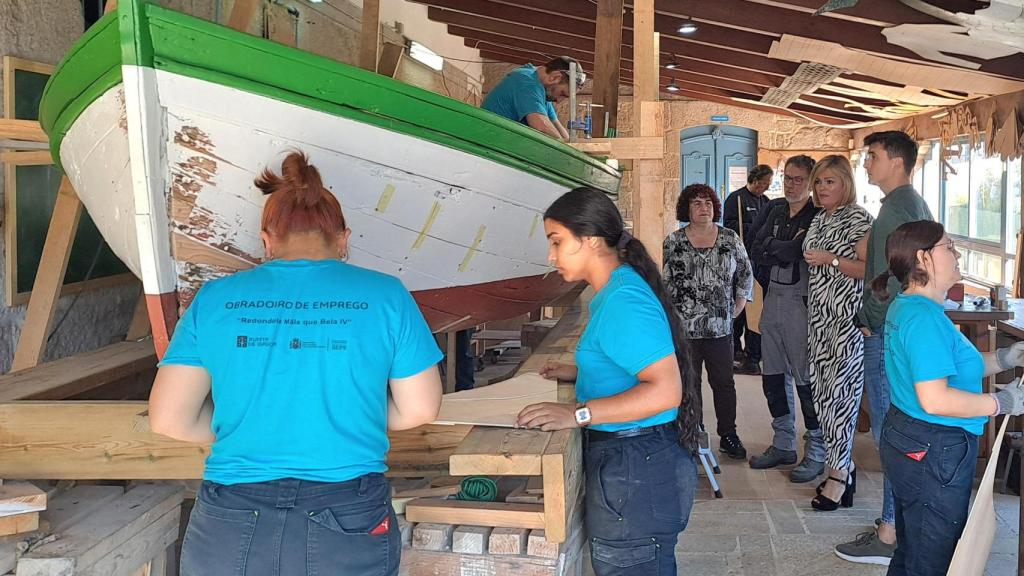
pixel 518 94
pixel 300 353
pixel 922 344
pixel 627 332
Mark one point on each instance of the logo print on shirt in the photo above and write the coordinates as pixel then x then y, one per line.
pixel 295 344
pixel 241 341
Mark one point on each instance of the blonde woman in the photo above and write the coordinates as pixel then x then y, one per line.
pixel 835 251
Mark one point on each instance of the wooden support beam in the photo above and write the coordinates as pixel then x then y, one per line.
pixel 112 440
pixel 608 43
pixel 28 130
pixel 563 482
pixel 73 375
pixel 648 202
pixel 624 148
pixel 242 13
pixel 496 514
pixel 50 278
pixel 139 326
pixel 645 54
pixel 369 40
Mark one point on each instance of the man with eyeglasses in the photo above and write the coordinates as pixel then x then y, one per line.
pixel 782 271
pixel 889 162
pixel 527 95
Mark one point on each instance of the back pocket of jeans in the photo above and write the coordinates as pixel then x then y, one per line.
pixel 352 540
pixel 904 444
pixel 952 461
pixel 217 540
pixel 640 556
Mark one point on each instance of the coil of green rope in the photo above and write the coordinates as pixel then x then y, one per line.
pixel 478 489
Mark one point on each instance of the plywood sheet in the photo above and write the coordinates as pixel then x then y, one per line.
pixel 497 404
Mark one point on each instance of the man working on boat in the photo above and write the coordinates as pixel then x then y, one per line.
pixel 526 95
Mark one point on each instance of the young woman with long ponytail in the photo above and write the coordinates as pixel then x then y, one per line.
pixel 295 370
pixel 638 407
pixel 929 440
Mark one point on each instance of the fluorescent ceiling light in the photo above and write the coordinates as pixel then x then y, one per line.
pixel 425 55
pixel 672 86
pixel 688 28
pixel 673 64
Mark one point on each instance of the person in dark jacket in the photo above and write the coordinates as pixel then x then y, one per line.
pixel 752 200
pixel 778 251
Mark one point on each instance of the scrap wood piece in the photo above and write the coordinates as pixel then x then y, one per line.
pixel 510 541
pixel 21 498
pixel 497 404
pixel 19 523
pixel 471 539
pixel 432 536
pixel 496 514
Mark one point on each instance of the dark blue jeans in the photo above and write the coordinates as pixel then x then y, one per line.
pixel 931 468
pixel 293 528
pixel 639 496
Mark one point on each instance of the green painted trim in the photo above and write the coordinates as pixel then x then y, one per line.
pixel 167 40
pixel 87 71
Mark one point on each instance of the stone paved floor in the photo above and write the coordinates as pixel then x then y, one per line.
pixel 765 525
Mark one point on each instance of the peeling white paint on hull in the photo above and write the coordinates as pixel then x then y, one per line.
pixel 165 165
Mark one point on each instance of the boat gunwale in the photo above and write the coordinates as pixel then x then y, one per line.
pixel 514 145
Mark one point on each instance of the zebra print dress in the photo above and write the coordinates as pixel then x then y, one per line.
pixel 835 345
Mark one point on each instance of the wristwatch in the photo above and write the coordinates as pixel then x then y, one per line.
pixel 835 262
pixel 583 415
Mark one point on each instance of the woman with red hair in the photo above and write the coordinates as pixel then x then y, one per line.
pixel 294 371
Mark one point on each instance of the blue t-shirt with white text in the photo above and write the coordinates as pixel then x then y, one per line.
pixel 627 332
pixel 922 344
pixel 518 94
pixel 300 353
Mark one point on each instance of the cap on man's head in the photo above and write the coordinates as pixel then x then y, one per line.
pixel 562 64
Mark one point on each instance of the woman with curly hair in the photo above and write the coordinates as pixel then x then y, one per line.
pixel 709 279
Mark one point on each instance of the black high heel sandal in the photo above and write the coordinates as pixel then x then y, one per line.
pixel 826 504
pixel 820 487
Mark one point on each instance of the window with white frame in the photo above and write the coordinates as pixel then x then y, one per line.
pixel 976 197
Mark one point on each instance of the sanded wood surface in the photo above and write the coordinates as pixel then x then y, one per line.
pixel 497 404
pixel 499 452
pixel 650 148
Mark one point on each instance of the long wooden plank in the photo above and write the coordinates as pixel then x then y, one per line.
pixel 47 287
pixel 112 440
pixel 369 39
pixel 28 130
pixel 608 44
pixel 499 452
pixel 21 497
pixel 496 514
pixel 86 543
pixel 67 377
pixel 26 158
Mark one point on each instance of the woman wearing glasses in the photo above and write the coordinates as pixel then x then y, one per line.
pixel 929 443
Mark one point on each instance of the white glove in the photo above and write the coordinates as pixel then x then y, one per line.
pixel 1011 356
pixel 1010 399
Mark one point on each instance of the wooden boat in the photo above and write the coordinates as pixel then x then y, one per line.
pixel 161 121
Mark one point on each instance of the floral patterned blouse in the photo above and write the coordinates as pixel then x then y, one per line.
pixel 704 283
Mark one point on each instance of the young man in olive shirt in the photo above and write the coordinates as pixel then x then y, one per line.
pixel 890 161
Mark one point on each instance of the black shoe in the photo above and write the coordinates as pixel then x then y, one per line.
pixel 732 447
pixel 826 504
pixel 749 367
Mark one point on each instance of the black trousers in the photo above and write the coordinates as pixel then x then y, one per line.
pixel 716 355
pixel 741 334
